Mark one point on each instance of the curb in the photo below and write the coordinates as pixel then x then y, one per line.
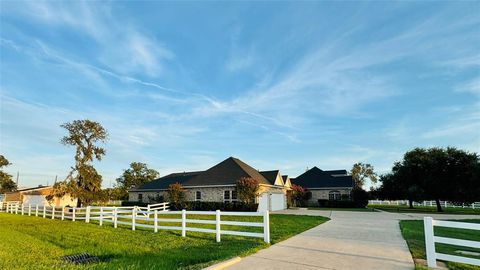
pixel 224 264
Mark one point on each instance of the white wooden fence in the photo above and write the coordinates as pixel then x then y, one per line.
pixel 446 204
pixel 150 217
pixel 431 239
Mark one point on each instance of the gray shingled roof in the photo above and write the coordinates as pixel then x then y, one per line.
pixel 271 176
pixel 164 182
pixel 317 178
pixel 337 172
pixel 227 172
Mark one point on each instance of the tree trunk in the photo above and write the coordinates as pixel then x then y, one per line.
pixel 410 204
pixel 79 203
pixel 439 206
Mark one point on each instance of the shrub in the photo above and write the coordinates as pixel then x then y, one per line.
pixel 128 203
pixel 247 189
pixel 176 193
pixel 300 195
pixel 213 206
pixel 360 197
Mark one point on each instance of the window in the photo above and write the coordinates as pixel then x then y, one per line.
pixel 140 197
pixel 334 195
pixel 198 196
pixel 229 195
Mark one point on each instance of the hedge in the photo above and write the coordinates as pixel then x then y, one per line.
pixel 212 206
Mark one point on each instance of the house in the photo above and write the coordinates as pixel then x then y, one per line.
pixel 37 195
pixel 217 184
pixel 325 185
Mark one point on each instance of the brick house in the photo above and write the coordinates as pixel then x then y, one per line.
pixel 325 185
pixel 217 184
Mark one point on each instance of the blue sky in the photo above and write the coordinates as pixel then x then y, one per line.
pixel 280 85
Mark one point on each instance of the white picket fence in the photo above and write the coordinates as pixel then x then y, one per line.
pixel 446 204
pixel 431 239
pixel 151 218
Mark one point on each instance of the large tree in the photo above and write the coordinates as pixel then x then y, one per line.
pixel 434 174
pixel 83 182
pixel 6 182
pixel 136 175
pixel 361 172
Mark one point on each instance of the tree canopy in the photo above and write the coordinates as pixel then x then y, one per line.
pixel 83 182
pixel 361 172
pixel 136 175
pixel 6 182
pixel 434 174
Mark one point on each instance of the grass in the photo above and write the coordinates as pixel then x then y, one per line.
pixel 37 243
pixel 425 209
pixel 342 209
pixel 412 231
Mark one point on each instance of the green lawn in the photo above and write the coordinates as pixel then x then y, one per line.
pixel 342 209
pixel 37 243
pixel 412 231
pixel 425 209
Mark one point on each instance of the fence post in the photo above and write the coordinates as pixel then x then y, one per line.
pixel 115 217
pixel 217 224
pixel 44 211
pixel 53 212
pixel 101 216
pixel 22 210
pixel 87 214
pixel 184 223
pixel 73 213
pixel 266 227
pixel 29 209
pixel 134 211
pixel 63 213
pixel 429 243
pixel 36 210
pixel 16 209
pixel 155 221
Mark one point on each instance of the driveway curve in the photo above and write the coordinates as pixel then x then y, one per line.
pixel 350 240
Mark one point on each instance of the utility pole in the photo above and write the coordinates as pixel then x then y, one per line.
pixel 56 176
pixel 18 173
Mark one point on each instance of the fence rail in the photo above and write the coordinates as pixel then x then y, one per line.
pixel 150 217
pixel 446 204
pixel 431 239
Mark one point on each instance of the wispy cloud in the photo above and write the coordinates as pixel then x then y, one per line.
pixel 122 46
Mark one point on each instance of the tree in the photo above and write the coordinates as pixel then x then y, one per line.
pixel 176 193
pixel 6 182
pixel 434 174
pixel 83 182
pixel 247 189
pixel 136 175
pixel 361 172
pixel 299 195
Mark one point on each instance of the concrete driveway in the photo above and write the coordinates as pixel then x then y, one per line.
pixel 350 240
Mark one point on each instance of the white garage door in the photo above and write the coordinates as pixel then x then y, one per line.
pixel 35 199
pixel 271 202
pixel 277 201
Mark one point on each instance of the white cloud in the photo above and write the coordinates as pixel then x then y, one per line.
pixel 122 46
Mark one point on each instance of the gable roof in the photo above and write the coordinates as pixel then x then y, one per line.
pixel 227 172
pixel 317 178
pixel 271 176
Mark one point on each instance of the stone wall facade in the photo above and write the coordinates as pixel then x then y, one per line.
pixel 209 194
pixel 323 194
